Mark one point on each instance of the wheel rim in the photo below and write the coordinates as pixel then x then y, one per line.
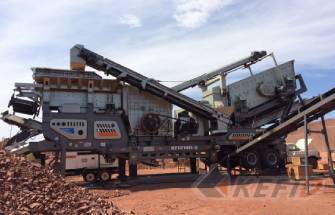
pixel 90 177
pixel 104 176
pixel 272 159
pixel 252 158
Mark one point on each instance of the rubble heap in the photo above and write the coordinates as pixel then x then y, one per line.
pixel 27 188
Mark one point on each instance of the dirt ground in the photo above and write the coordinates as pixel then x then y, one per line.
pixel 179 196
pixel 169 200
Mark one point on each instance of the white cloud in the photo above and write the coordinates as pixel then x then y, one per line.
pixel 130 20
pixel 195 13
pixel 291 31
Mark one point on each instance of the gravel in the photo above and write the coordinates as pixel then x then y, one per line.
pixel 28 188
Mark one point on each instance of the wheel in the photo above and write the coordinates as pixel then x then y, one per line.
pixel 150 123
pixel 250 159
pixel 313 161
pixel 270 158
pixel 89 177
pixel 104 175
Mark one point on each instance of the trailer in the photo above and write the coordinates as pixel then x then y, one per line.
pixel 90 165
pixel 130 118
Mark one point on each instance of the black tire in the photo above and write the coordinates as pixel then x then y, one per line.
pixel 313 161
pixel 270 158
pixel 104 175
pixel 89 177
pixel 250 159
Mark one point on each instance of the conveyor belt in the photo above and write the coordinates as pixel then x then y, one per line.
pixel 316 108
pixel 29 128
pixel 254 57
pixel 21 122
pixel 144 83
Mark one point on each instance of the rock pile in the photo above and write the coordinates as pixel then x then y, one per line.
pixel 27 188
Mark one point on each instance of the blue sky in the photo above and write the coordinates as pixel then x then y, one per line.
pixel 167 39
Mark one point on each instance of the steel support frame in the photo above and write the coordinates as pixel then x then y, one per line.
pixel 306 154
pixel 326 141
pixel 330 160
